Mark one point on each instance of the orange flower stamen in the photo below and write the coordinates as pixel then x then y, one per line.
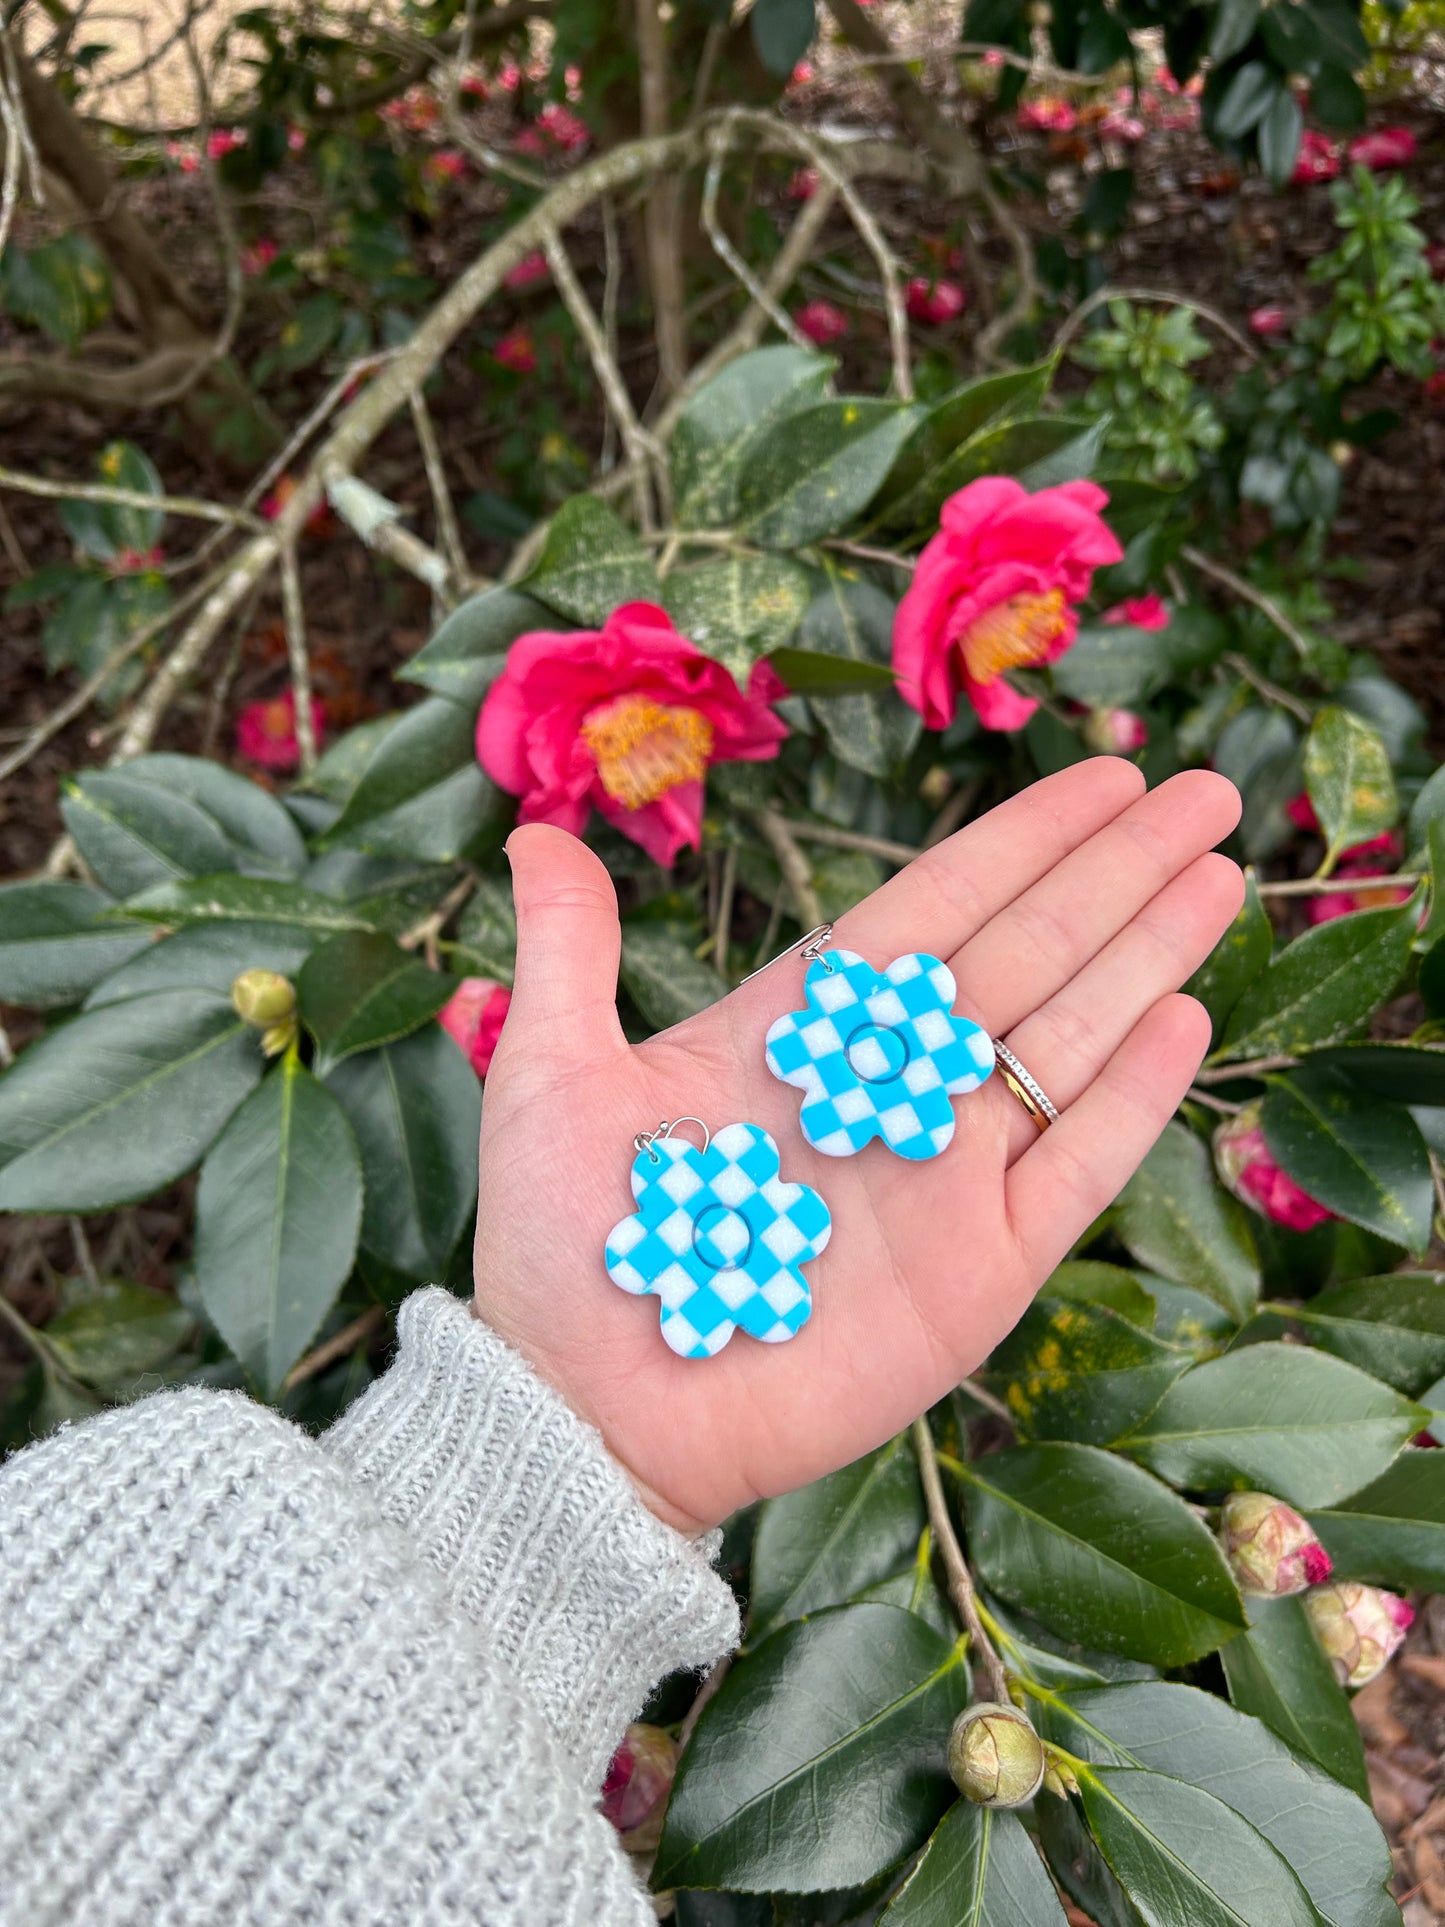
pixel 644 749
pixel 1012 635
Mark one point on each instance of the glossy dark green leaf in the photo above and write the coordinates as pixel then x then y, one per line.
pixel 1247 97
pixel 663 977
pixel 1100 1552
pixel 590 564
pixel 117 1332
pixel 1079 1867
pixel 1391 1327
pixel 1403 1073
pixel 345 762
pixel 820 1545
pixel 812 474
pixel 487 932
pixel 1085 1281
pixel 467 653
pixel 1186 1858
pixel 1175 1218
pixel 133 834
pixel 62 287
pixel 207 956
pixel 821 1760
pixel 980 1869
pixel 723 421
pixel 277 1217
pixel 782 32
pixel 739 607
pixel 1349 779
pixel 1326 1834
pixel 1278 1672
pixel 1279 137
pixel 806 673
pixel 1392 1533
pixel 1114 663
pixel 422 793
pixel 1078 445
pixel 1071 1370
pixel 1234 23
pixel 1277 1418
pixel 1325 985
pixel 1361 1157
pixel 259 827
pixel 923 475
pixel 1236 960
pixel 415 1108
pixel 228 898
pixel 359 991
pixel 851 618
pixel 54 948
pixel 121 1101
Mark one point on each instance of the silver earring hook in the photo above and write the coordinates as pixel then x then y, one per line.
pixel 644 1140
pixel 808 947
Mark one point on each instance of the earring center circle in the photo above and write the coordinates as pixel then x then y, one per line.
pixel 876 1053
pixel 722 1238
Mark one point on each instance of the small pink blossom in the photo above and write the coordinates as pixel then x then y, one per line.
pixel 531 269
pixel 1269 321
pixel 567 129
pixel 418 110
pixel 530 142
pixel 1361 1628
pixel 446 164
pixel 1120 126
pixel 223 142
pixel 935 302
pixel 1357 866
pixel 184 156
pixel 801 74
pixel 1048 114
pixel 804 184
pixel 509 79
pixel 474 86
pixel 821 322
pixel 258 257
pixel 296 139
pixel 572 81
pixel 517 351
pixel 1247 1167
pixel 1271 1549
pixel 1114 732
pixel 1318 159
pixel 1140 612
pixel 266 731
pixel 136 561
pixel 1387 147
pixel 638 1782
pixel 473 1017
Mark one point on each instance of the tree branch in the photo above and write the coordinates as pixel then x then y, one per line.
pixel 797 873
pixel 960 1579
pixel 918 113
pixel 660 216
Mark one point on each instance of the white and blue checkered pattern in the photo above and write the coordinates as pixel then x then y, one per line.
pixel 879 1054
pixel 719 1239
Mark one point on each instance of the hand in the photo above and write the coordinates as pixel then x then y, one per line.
pixel 1068 916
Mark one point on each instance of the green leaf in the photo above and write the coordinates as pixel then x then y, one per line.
pixel 820 1545
pixel 807 673
pixel 923 476
pixel 311 330
pixel 1175 1218
pixel 340 770
pixel 1403 1073
pixel 1236 960
pixel 1328 1836
pixel 1187 1859
pixel 208 956
pixel 980 1869
pixel 663 978
pixel 1021 448
pixel 116 1333
pixel 591 563
pixel 1391 1327
pixel 133 834
pixel 783 32
pixel 1361 1157
pixel 1324 985
pixel 121 1101
pixel 852 619
pixel 1279 137
pixel 61 287
pixel 360 990
pixel 1277 1418
pixel 277 1217
pixel 1084 1281
pixel 810 475
pixel 1234 24
pixel 1078 447
pixel 468 652
pixel 739 608
pixel 1100 1552
pixel 228 898
pixel 1349 779
pixel 415 1107
pixel 1247 98
pixel 1392 1533
pixel 821 1760
pixel 103 529
pixel 52 946
pixel 261 830
pixel 1081 1371
pixel 1278 1671
pixel 722 423
pixel 487 932
pixel 1114 663
pixel 422 793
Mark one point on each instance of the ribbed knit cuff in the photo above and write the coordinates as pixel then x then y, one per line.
pixel 539 1533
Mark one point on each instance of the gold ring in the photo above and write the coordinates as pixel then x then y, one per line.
pixel 1025 1087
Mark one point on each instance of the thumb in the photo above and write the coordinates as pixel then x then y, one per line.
pixel 569 941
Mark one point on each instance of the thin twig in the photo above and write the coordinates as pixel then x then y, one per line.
pixel 704 1693
pixel 294 615
pixel 1026 283
pixel 359 1332
pixel 1271 691
pixel 660 215
pixel 1219 1104
pixel 1250 1067
pixel 424 934
pixel 960 1580
pixel 898 854
pixel 1321 886
pixel 988 1400
pixel 449 533
pixel 722 929
pixel 726 253
pixel 12 119
pixel 1247 592
pixel 866 554
pixel 129 498
pixel 797 872
pixel 954 812
pixel 1078 316
pixel 14 548
pixel 81 1246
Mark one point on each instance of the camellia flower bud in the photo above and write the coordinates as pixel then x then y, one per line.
pixel 1270 1548
pixel 639 1779
pixel 267 1000
pixel 995 1756
pixel 1360 1628
pixel 1114 732
pixel 1248 1169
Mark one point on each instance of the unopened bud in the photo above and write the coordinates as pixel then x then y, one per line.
pixel 1247 1167
pixel 995 1756
pixel 263 997
pixel 1060 1777
pixel 639 1780
pixel 1270 1548
pixel 1360 1628
pixel 1114 732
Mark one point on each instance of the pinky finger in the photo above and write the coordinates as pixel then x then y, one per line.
pixel 1080 1164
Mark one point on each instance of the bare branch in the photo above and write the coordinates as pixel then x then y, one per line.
pixel 294 616
pixel 960 1579
pixel 797 872
pixel 660 218
pixel 350 1338
pixel 448 530
pixel 128 498
pixel 761 296
pixel 1102 296
pixel 919 114
pixel 1247 592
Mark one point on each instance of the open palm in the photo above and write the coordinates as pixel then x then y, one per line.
pixel 1069 916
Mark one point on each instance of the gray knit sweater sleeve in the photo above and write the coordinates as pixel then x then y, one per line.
pixel 371 1680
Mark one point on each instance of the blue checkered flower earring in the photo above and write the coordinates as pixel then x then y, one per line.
pixel 718 1237
pixel 877 1053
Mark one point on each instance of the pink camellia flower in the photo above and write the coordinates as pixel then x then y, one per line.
pixel 474 86
pixel 1268 321
pixel 517 351
pixel 572 81
pixel 1360 1627
pixel 1271 1550
pixel 1120 126
pixel 567 129
pixel 1140 611
pixel 258 257
pixel 821 322
pixel 266 731
pixel 418 110
pixel 320 521
pixel 136 561
pixel 801 74
pixel 531 269
pixel 446 164
pixel 531 142
pixel 638 1782
pixel 935 302
pixel 296 139
pixel 473 1017
pixel 1114 732
pixel 1318 159
pixel 1377 858
pixel 804 184
pixel 997 589
pixel 224 141
pixel 509 78
pixel 184 156
pixel 1048 115
pixel 625 720
pixel 1246 1167
pixel 1387 147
